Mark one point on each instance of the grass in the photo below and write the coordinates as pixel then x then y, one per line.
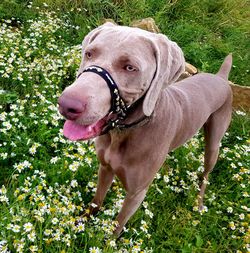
pixel 47 181
pixel 206 30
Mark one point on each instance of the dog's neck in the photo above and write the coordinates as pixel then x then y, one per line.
pixel 135 116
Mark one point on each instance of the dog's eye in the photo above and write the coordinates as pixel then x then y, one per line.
pixel 88 55
pixel 130 68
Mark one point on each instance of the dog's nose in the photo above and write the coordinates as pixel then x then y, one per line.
pixel 70 108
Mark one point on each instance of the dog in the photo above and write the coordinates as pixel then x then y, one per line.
pixel 127 98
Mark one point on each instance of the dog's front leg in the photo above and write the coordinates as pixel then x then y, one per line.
pixel 105 178
pixel 130 205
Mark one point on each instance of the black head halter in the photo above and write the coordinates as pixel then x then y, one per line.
pixel 118 105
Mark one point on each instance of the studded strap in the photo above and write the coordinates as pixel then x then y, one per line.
pixel 118 106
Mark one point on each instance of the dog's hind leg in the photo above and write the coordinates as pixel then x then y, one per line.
pixel 214 130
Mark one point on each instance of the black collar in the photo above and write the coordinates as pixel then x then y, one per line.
pixel 118 108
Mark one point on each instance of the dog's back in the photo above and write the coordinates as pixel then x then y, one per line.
pixel 197 98
pixel 205 88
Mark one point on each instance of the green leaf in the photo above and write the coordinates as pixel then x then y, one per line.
pixel 199 241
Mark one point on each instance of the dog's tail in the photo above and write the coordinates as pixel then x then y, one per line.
pixel 226 67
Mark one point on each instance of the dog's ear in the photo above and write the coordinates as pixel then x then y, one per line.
pixel 170 64
pixel 90 37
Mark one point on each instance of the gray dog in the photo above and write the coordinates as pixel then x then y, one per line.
pixel 125 96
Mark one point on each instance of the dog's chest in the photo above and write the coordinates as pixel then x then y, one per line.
pixel 111 151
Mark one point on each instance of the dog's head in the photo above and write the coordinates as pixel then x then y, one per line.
pixel 140 62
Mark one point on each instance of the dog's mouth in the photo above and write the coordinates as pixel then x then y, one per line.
pixel 76 132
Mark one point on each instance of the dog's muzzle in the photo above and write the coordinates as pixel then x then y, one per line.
pixel 118 105
pixel 118 110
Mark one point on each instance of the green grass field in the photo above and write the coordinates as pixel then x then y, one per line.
pixel 46 181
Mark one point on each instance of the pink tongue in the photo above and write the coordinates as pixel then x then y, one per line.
pixel 74 131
